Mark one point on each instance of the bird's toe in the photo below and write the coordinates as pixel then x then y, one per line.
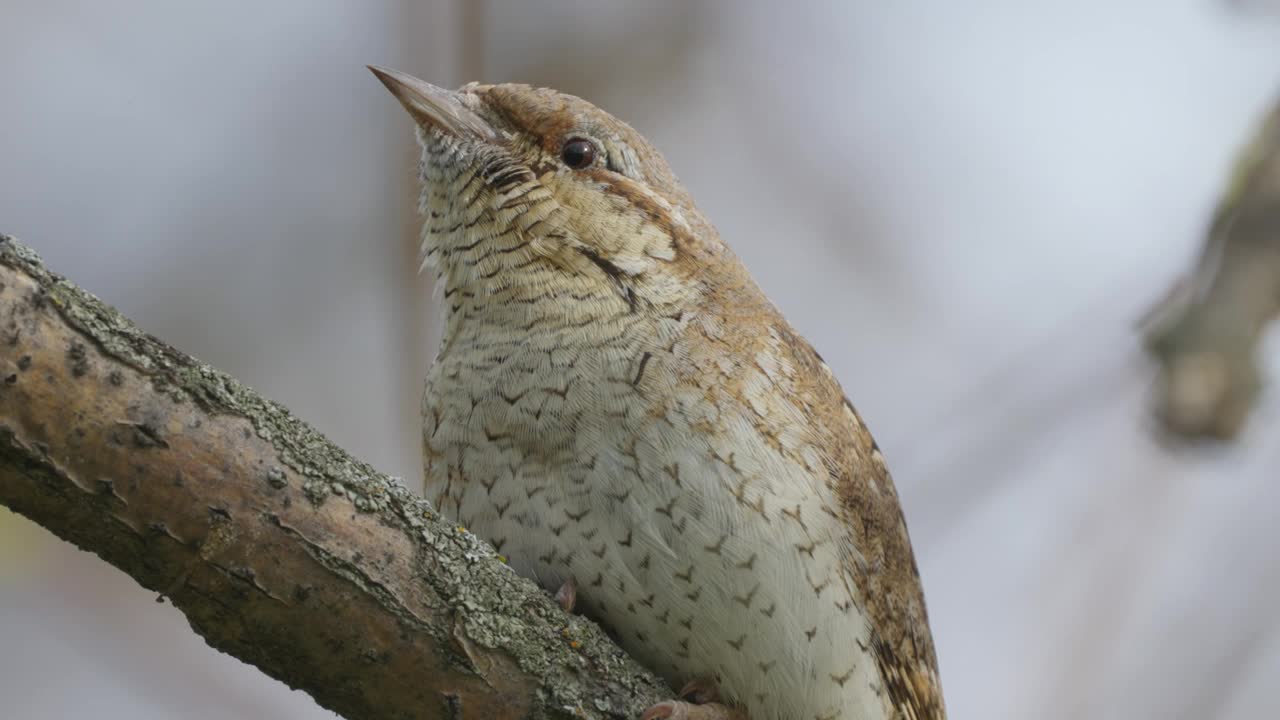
pixel 679 710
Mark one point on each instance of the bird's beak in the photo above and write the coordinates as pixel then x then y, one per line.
pixel 432 106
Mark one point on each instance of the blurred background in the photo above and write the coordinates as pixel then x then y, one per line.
pixel 966 207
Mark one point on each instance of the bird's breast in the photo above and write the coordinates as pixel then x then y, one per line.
pixel 706 547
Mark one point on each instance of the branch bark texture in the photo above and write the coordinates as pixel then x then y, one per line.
pixel 279 547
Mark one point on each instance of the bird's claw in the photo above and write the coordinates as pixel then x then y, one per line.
pixel 701 691
pixel 679 710
pixel 567 595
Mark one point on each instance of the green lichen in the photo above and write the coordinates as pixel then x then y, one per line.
pixel 276 478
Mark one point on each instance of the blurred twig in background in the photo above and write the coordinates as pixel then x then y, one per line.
pixel 1205 335
pixel 1255 6
pixel 610 62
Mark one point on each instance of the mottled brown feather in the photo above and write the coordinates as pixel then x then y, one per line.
pixel 879 570
pixel 885 577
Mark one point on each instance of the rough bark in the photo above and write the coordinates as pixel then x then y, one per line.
pixel 1206 335
pixel 279 547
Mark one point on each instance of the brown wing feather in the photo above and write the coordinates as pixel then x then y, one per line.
pixel 885 578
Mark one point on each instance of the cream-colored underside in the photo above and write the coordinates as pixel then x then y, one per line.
pixel 706 549
pixel 587 435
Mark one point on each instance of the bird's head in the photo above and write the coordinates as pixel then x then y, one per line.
pixel 516 176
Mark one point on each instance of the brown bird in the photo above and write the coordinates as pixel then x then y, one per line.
pixel 616 402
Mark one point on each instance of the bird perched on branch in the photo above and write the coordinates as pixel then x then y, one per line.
pixel 616 403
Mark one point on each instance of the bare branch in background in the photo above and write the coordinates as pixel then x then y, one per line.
pixel 1259 7
pixel 1206 334
pixel 546 45
pixel 280 548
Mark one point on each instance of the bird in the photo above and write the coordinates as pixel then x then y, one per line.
pixel 619 409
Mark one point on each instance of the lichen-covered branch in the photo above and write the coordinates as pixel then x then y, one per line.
pixel 1207 334
pixel 280 548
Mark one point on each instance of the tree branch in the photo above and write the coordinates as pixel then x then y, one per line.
pixel 1207 332
pixel 280 548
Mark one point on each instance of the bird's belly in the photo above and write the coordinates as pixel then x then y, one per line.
pixel 696 571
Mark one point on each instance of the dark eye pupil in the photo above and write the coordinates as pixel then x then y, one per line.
pixel 578 153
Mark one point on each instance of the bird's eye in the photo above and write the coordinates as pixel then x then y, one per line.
pixel 578 153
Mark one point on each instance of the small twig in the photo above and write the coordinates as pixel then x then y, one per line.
pixel 1205 335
